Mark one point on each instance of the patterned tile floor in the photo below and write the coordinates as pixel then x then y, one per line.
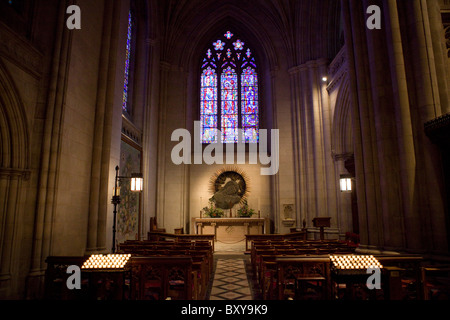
pixel 233 278
pixel 230 281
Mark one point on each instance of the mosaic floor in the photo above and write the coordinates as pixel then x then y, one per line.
pixel 230 281
pixel 233 279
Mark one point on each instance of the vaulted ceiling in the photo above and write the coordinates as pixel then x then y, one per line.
pixel 300 30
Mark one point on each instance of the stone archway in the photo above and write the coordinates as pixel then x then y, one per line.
pixel 343 149
pixel 14 169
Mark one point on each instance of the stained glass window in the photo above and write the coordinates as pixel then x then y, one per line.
pixel 127 65
pixel 208 100
pixel 229 111
pixel 229 92
pixel 249 102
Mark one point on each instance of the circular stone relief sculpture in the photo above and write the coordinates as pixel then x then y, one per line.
pixel 229 189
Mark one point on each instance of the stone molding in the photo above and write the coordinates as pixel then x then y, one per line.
pixel 337 69
pixel 130 131
pixel 20 52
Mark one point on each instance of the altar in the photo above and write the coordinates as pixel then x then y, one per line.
pixel 231 230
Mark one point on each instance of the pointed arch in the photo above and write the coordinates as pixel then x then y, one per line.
pixel 218 21
pixel 229 90
pixel 342 121
pixel 14 128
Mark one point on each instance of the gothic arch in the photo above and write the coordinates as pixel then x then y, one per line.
pixel 14 129
pixel 240 23
pixel 223 18
pixel 342 121
pixel 14 164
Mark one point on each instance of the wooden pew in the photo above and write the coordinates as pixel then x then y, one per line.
pixel 144 277
pixel 435 282
pixel 300 235
pixel 160 236
pixel 305 247
pixel 294 273
pixel 200 251
pixel 398 270
pixel 56 276
pixel 158 278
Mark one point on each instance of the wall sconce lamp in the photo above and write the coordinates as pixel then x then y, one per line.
pixel 345 183
pixel 136 186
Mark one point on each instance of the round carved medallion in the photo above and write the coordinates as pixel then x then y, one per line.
pixel 229 188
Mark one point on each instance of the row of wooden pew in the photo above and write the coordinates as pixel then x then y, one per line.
pixel 157 270
pixel 303 270
pixel 264 255
pixel 200 251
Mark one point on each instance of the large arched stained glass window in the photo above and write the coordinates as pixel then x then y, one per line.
pixel 229 92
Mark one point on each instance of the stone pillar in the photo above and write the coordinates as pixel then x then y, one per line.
pixel 11 204
pixel 100 110
pixel 315 182
pixel 427 106
pixel 150 134
pixel 394 94
pixel 162 136
pixel 441 58
pixel 366 164
pixel 382 87
pixel 50 147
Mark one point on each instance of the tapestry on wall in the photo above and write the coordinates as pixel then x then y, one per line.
pixel 128 212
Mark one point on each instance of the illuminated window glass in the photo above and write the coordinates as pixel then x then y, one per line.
pixel 208 100
pixel 229 102
pixel 126 83
pixel 229 79
pixel 249 103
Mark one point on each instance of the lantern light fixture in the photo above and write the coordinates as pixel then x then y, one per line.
pixel 136 186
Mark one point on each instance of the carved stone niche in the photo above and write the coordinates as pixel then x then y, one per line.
pixel 288 215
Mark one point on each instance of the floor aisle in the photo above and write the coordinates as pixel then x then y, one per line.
pixel 230 280
pixel 233 276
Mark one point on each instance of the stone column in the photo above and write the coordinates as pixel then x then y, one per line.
pixel 429 99
pixel 427 106
pixel 50 148
pixel 394 94
pixel 441 58
pixel 150 134
pixel 314 168
pixel 162 135
pixel 382 112
pixel 94 198
pixel 10 202
pixel 298 145
pixel 105 123
pixel 363 130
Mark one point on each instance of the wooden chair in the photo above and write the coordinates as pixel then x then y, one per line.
pixel 154 225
